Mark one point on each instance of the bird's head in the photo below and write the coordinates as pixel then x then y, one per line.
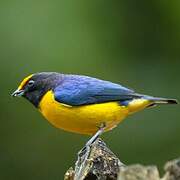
pixel 34 86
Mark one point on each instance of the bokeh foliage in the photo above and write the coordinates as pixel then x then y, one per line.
pixel 136 43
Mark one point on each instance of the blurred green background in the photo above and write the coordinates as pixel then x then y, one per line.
pixel 136 43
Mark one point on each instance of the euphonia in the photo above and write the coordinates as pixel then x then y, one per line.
pixel 83 104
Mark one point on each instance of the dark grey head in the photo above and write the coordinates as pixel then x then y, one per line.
pixel 34 86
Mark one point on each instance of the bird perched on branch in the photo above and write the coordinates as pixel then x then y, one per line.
pixel 83 104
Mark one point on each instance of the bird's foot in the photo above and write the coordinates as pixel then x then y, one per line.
pixel 95 136
pixel 86 150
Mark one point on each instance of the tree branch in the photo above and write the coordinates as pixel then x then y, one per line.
pixel 100 163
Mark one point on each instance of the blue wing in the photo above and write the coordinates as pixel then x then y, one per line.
pixel 82 90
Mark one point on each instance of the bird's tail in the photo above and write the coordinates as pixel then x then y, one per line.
pixel 157 100
pixel 144 101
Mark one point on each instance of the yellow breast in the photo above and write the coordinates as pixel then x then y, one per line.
pixel 81 119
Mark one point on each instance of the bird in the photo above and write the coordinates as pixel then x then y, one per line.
pixel 83 104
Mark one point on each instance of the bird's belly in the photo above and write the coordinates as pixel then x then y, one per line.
pixel 82 119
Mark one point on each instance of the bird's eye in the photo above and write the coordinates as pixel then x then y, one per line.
pixel 30 83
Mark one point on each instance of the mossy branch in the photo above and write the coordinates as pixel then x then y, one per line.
pixel 101 164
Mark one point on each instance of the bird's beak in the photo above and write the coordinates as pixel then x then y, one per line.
pixel 17 93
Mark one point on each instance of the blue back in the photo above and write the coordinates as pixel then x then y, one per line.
pixel 77 90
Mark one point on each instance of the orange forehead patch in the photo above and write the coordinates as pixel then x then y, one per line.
pixel 25 80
